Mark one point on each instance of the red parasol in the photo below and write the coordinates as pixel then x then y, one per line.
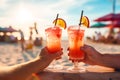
pixel 109 17
pixel 115 24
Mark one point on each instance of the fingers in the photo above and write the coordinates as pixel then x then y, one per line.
pixel 58 58
pixel 50 56
pixel 68 54
pixel 86 48
pixel 68 49
pixel 57 55
pixel 44 50
pixel 83 48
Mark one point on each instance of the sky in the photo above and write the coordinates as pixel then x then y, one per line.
pixel 21 14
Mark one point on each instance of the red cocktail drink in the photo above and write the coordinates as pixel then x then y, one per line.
pixel 53 39
pixel 76 40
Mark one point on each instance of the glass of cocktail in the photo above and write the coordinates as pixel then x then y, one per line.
pixel 53 40
pixel 53 36
pixel 76 40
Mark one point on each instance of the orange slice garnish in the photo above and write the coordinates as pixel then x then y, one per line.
pixel 85 21
pixel 60 22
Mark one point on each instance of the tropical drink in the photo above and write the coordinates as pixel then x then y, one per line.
pixel 76 40
pixel 53 35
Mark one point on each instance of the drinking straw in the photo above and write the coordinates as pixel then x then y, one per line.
pixel 80 18
pixel 56 19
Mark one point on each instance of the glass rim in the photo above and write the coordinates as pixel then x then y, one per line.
pixel 76 27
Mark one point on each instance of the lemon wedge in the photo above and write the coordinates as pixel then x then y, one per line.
pixel 60 22
pixel 85 21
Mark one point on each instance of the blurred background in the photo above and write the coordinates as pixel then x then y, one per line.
pixel 21 14
pixel 22 20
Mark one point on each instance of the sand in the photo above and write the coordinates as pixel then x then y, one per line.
pixel 11 54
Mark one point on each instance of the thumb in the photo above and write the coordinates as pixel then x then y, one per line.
pixel 84 48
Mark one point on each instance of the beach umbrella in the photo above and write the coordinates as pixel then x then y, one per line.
pixel 109 17
pixel 98 25
pixel 10 29
pixel 115 24
pixel 2 29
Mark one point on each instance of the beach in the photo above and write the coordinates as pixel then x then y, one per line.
pixel 10 53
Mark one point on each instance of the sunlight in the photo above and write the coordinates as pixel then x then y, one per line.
pixel 24 16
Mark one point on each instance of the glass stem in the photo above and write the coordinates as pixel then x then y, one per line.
pixel 76 65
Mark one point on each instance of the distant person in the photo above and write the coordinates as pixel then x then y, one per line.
pixel 22 40
pixel 35 27
pixel 13 39
pixel 38 41
pixel 31 33
pixel 110 37
pixel 93 57
pixel 117 37
pixel 99 37
pixel 25 70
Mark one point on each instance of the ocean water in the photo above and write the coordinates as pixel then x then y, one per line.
pixel 89 32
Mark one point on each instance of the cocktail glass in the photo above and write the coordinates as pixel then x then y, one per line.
pixel 53 35
pixel 76 40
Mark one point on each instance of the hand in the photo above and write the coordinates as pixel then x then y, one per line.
pixel 59 56
pixel 68 52
pixel 69 55
pixel 91 55
pixel 48 56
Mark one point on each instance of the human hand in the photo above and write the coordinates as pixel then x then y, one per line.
pixel 73 60
pixel 68 52
pixel 91 55
pixel 48 56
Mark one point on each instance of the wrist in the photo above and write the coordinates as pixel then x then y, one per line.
pixel 44 59
pixel 41 63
